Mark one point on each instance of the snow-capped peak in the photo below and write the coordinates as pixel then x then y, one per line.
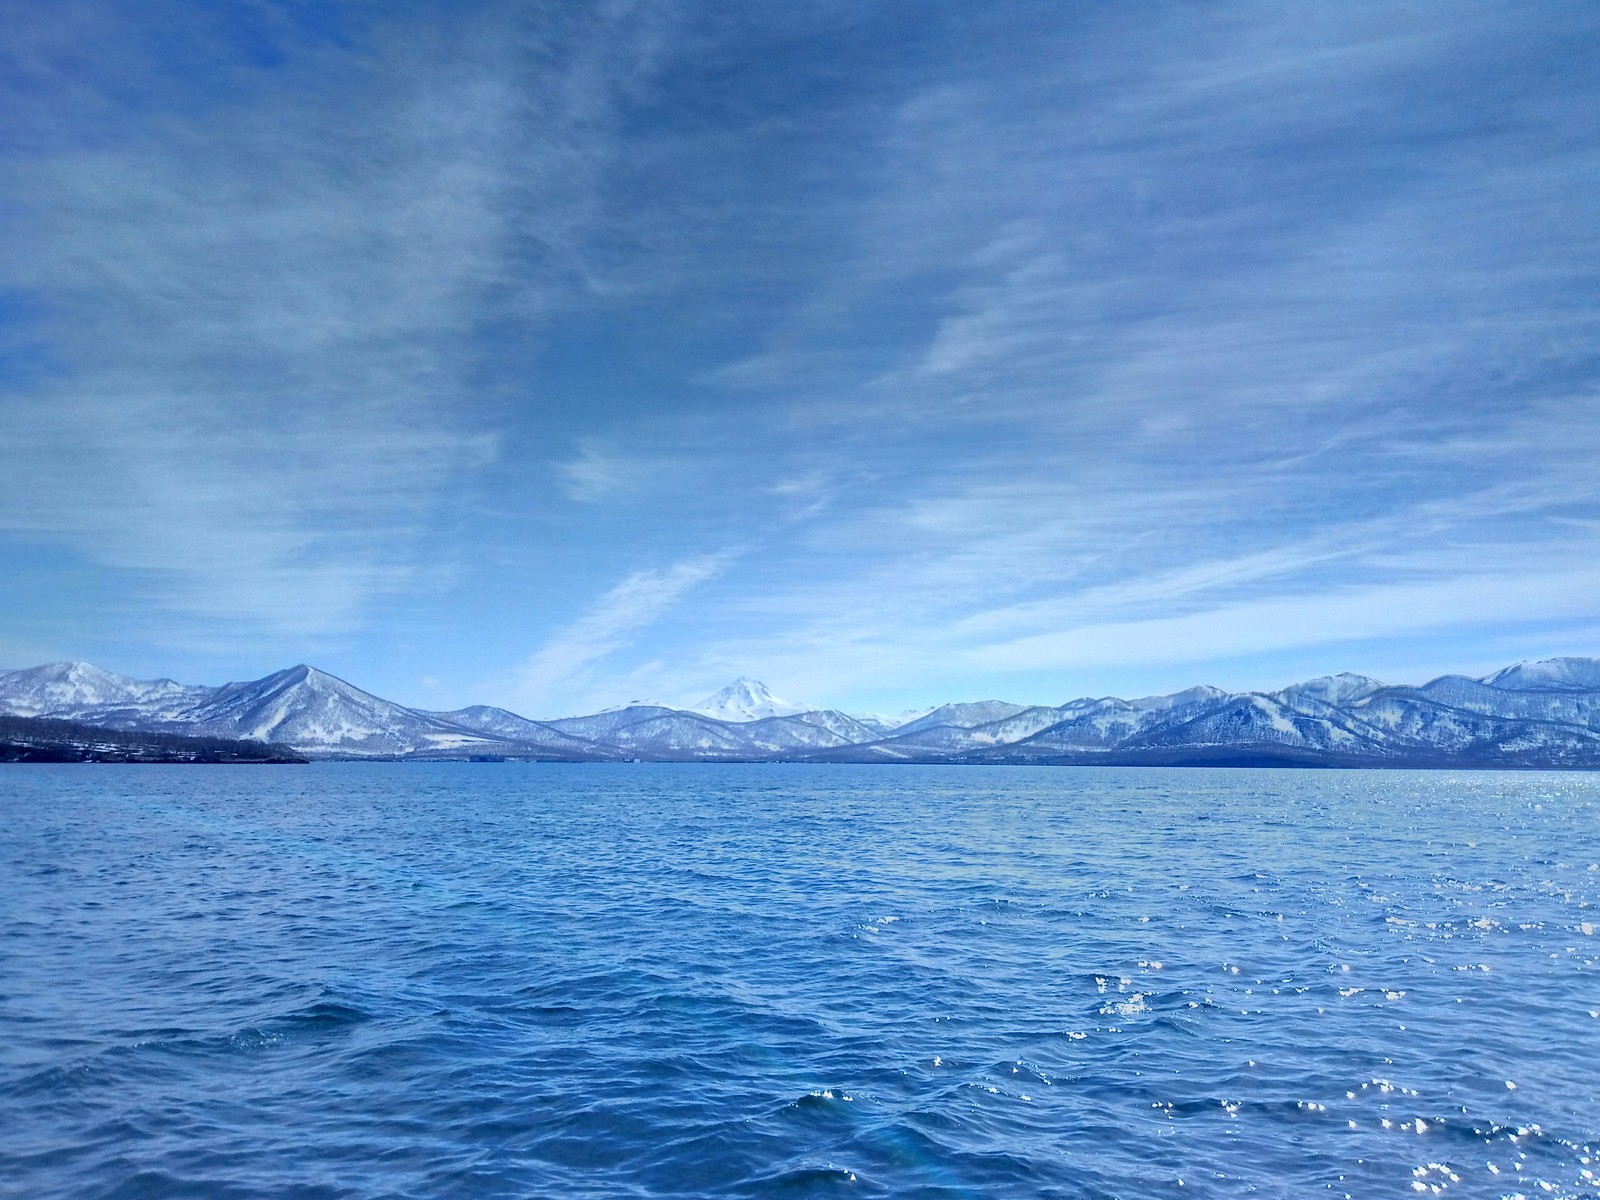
pixel 1550 674
pixel 746 700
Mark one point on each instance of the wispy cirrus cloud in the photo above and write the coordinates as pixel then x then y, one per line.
pixel 256 292
pixel 1103 321
pixel 597 473
pixel 558 678
pixel 1297 622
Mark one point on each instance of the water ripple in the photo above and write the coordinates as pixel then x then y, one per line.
pixel 662 981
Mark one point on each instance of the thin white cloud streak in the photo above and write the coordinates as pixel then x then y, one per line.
pixel 558 673
pixel 611 470
pixel 1241 326
pixel 1244 318
pixel 262 312
pixel 1094 299
pixel 833 659
pixel 1293 622
pixel 1441 536
pixel 1183 313
pixel 914 622
pixel 595 474
pixel 905 596
pixel 1370 379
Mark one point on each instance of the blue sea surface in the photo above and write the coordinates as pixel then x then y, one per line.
pixel 498 980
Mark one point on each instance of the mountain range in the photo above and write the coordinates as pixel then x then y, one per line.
pixel 1532 714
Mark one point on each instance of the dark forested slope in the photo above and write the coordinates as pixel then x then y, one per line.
pixel 39 739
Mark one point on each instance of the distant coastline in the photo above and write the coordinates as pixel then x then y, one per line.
pixel 43 740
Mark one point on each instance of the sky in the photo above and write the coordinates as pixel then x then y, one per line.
pixel 559 355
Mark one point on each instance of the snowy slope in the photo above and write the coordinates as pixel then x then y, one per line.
pixel 1552 674
pixel 320 714
pixel 502 723
pixel 656 732
pixel 1531 714
pixel 746 700
pixel 1087 724
pixel 847 728
pixel 1533 704
pixel 1329 689
pixel 675 734
pixel 1254 721
pixel 1025 723
pixel 1098 725
pixel 963 716
pixel 819 730
pixel 603 726
pixel 1416 724
pixel 1178 700
pixel 881 723
pixel 67 689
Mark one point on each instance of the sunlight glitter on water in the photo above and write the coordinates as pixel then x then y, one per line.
pixel 751 981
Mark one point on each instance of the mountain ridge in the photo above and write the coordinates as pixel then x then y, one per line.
pixel 1529 714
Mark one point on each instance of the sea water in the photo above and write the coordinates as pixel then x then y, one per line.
pixel 497 980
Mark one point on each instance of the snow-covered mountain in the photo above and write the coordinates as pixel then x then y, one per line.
pixel 1176 700
pixel 657 732
pixel 66 689
pixel 1550 674
pixel 1330 689
pixel 1533 704
pixel 746 700
pixel 962 716
pixel 1338 719
pixel 508 726
pixel 320 714
pixel 887 722
pixel 1531 714
pixel 317 713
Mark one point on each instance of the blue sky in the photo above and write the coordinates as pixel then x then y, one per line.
pixel 555 356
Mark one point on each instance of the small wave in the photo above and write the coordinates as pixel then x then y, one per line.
pixel 325 1014
pixel 809 1181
